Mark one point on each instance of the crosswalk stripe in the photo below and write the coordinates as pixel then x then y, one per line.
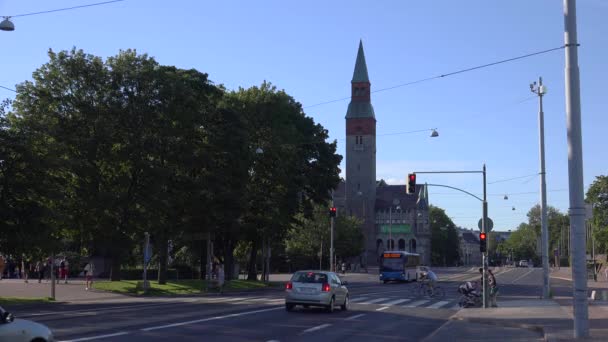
pixel 356 300
pixel 438 304
pixel 398 301
pixel 416 303
pixel 374 301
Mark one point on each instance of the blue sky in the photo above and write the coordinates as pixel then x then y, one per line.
pixel 308 48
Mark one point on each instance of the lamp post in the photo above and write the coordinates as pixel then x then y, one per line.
pixel 541 90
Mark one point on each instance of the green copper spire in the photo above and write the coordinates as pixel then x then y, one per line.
pixel 360 74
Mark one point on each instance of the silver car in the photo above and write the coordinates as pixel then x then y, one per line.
pixel 21 330
pixel 316 288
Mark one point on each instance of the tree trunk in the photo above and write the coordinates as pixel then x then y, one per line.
pixel 253 256
pixel 162 258
pixel 115 270
pixel 228 257
pixel 203 263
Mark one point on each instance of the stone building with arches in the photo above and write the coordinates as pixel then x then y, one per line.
pixel 392 218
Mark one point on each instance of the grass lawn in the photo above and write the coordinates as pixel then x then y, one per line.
pixel 22 300
pixel 178 287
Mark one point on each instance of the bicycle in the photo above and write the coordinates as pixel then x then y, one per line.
pixel 424 289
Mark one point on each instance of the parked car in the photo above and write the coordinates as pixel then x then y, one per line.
pixel 316 288
pixel 22 330
pixel 523 263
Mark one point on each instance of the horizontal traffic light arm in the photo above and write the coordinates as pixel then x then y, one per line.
pixel 451 187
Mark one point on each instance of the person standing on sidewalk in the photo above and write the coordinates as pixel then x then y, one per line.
pixel 493 288
pixel 88 275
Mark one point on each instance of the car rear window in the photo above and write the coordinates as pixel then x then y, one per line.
pixel 309 277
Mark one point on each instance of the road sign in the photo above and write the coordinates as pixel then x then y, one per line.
pixel 489 225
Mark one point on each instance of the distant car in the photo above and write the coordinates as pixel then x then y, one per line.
pixel 21 330
pixel 316 288
pixel 523 263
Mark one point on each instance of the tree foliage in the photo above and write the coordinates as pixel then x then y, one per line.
pixel 445 244
pixel 597 196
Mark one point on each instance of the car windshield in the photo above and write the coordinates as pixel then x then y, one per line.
pixel 309 277
pixel 392 265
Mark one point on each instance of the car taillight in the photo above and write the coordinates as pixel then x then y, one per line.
pixel 326 287
pixel 288 286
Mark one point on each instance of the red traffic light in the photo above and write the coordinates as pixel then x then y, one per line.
pixel 332 212
pixel 332 209
pixel 482 236
pixel 412 177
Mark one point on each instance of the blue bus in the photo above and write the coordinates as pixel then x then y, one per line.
pixel 399 265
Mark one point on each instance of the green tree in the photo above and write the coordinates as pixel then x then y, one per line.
pixel 445 243
pixel 522 243
pixel 597 195
pixel 556 221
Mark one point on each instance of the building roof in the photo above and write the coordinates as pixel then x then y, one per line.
pixel 386 196
pixel 360 73
pixel 469 237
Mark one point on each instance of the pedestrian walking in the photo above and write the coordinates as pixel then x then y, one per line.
pixel 64 266
pixel 220 278
pixel 40 268
pixel 88 275
pixel 2 266
pixel 343 268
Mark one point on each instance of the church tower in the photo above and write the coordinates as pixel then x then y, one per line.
pixel 360 191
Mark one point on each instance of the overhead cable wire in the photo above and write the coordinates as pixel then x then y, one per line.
pixel 446 74
pixel 65 9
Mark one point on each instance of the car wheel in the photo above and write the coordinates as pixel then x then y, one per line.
pixel 345 305
pixel 330 307
pixel 289 307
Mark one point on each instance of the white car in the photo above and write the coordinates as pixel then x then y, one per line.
pixel 22 330
pixel 316 288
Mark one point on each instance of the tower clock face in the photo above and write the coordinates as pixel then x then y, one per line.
pixel 396 201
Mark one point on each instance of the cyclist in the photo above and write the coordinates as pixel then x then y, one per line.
pixel 429 277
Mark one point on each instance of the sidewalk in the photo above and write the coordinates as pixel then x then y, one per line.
pixel 73 291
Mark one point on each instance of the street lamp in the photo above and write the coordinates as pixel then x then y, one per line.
pixel 7 24
pixel 506 197
pixel 540 90
pixel 434 133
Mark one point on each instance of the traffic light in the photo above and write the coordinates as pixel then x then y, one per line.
pixel 483 243
pixel 411 183
pixel 332 212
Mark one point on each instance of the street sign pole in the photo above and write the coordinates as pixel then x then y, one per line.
pixel 146 259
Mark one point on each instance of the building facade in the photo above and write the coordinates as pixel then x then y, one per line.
pixel 392 219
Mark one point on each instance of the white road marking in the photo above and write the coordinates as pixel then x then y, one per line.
pixel 360 299
pixel 383 308
pixel 354 317
pixel 416 303
pixel 438 304
pixel 525 274
pixel 209 319
pixel 97 337
pixel 398 301
pixel 318 327
pixel 568 279
pixel 374 301
pixel 93 310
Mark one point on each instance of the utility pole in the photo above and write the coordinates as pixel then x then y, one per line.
pixel 390 228
pixel 331 242
pixel 484 255
pixel 540 90
pixel 575 172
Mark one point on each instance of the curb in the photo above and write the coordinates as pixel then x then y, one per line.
pixel 536 328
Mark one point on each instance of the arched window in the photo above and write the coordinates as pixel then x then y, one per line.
pixel 413 246
pixel 401 244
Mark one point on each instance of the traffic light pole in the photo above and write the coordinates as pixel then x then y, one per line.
pixel 483 221
pixel 331 247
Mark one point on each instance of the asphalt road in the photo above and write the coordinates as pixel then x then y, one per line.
pixel 378 312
